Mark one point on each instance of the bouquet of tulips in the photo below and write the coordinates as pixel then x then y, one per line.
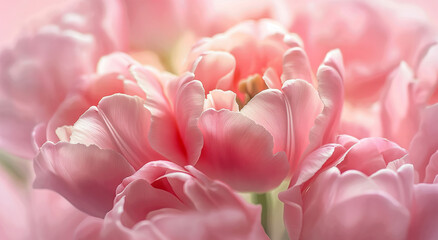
pixel 220 119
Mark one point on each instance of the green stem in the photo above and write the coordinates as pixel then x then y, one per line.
pixel 262 199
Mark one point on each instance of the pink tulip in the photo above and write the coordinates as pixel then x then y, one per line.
pixel 165 201
pixel 351 205
pixel 367 155
pixel 122 133
pixel 239 54
pixel 284 101
pixel 347 189
pixel 384 205
pixel 34 81
pixel 112 76
pixel 405 96
pixel 186 134
pixel 372 43
pixel 111 145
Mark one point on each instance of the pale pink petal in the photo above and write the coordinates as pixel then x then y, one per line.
pixel 40 81
pixel 357 216
pixel 150 205
pixel 90 129
pixel 111 227
pixel 296 65
pixel 346 140
pixel 293 215
pixel 86 176
pixel 116 62
pixel 149 80
pixel 239 152
pixel 424 212
pixel 335 60
pixel 218 99
pixel 187 226
pixel 34 83
pixel 103 85
pixel 427 72
pixel 398 183
pixel 425 143
pixel 432 168
pixel 150 172
pixel 331 91
pixel 370 155
pixel 215 70
pixel 89 229
pixel 287 115
pixel 106 126
pixel 317 162
pixel 348 205
pixel 67 114
pixel 219 195
pixel 175 109
pixel 396 164
pixel 39 136
pixel 399 113
pixel 272 79
pixel 141 199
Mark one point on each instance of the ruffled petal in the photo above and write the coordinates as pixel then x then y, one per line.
pixel 86 176
pixel 175 104
pixel 239 152
pixel 288 115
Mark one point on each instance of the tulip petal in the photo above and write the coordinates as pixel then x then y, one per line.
pixel 215 70
pixel 317 162
pixel 293 215
pixel 296 65
pixel 271 79
pixel 398 109
pixel 142 199
pixel 67 114
pixel 432 168
pixel 105 126
pixel 115 62
pixel 85 175
pixel 218 99
pixel 425 143
pixel 287 115
pixel 424 212
pixel 239 152
pixel 370 155
pixel 175 109
pixel 331 91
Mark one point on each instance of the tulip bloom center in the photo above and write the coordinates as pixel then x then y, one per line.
pixel 250 87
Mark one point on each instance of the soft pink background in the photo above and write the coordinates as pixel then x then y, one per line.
pixel 14 14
